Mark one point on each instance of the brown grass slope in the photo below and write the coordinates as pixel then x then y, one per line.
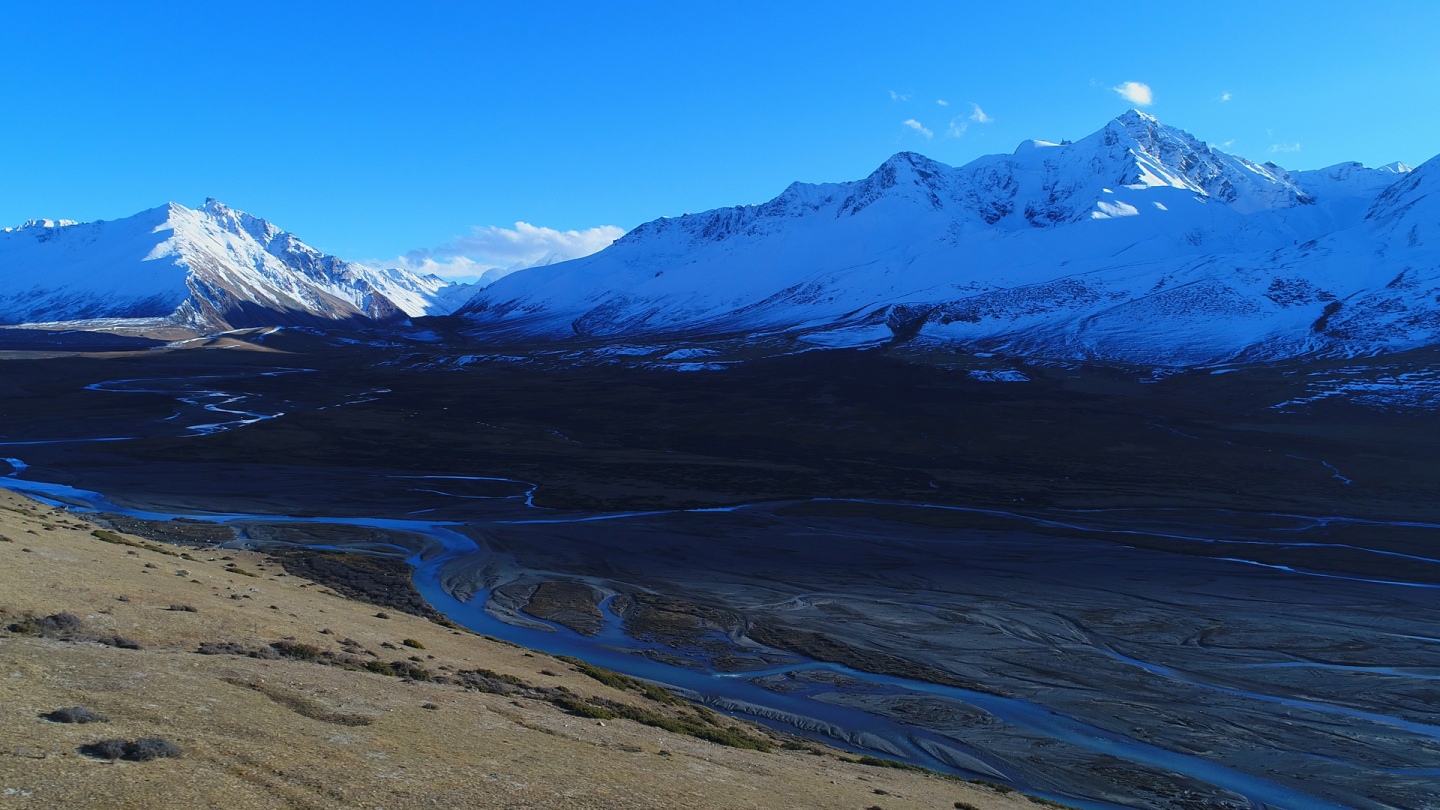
pixel 261 732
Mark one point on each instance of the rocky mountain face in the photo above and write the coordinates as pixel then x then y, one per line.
pixel 211 267
pixel 1138 243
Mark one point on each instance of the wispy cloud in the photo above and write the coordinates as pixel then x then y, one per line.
pixel 1136 93
pixel 488 248
pixel 1227 144
pixel 942 102
pixel 961 123
pixel 1225 96
pixel 1284 147
pixel 918 127
pixel 894 96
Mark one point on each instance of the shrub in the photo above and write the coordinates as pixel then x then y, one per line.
pixel 410 642
pixel 231 648
pixel 75 714
pixel 965 806
pixel 56 625
pixel 296 650
pixel 582 709
pixel 104 749
pixel 122 643
pixel 184 608
pixel 148 748
pixel 111 537
pixel 877 762
pixel 380 668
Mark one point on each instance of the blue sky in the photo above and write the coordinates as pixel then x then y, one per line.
pixel 374 129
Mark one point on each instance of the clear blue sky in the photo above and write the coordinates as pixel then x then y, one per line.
pixel 371 129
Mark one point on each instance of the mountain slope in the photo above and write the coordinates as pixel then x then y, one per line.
pixel 1137 243
pixel 210 267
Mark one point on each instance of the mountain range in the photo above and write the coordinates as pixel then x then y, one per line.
pixel 1138 243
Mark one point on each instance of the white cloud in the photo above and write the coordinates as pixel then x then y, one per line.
pixel 960 123
pixel 894 96
pixel 918 127
pixel 1136 93
pixel 1227 144
pixel 942 102
pixel 488 248
pixel 1284 147
pixel 1225 96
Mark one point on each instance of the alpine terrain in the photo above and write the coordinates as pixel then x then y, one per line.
pixel 1138 243
pixel 211 268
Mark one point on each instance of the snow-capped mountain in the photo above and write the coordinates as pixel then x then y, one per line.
pixel 1137 243
pixel 211 267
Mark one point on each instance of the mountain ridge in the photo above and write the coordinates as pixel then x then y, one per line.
pixel 1137 243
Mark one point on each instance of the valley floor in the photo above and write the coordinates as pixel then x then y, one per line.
pixel 1221 583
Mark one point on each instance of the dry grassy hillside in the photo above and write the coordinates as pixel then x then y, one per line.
pixel 316 722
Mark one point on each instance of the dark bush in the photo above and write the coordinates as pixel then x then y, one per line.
pixel 105 749
pixel 184 608
pixel 232 648
pixel 298 651
pixel 56 625
pixel 75 714
pixel 965 806
pixel 142 750
pixel 615 680
pixel 122 643
pixel 410 642
pixel 148 748
pixel 582 709
pixel 877 762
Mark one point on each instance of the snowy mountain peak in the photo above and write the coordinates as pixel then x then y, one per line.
pixel 1409 209
pixel 42 224
pixel 1166 156
pixel 211 266
pixel 1033 145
